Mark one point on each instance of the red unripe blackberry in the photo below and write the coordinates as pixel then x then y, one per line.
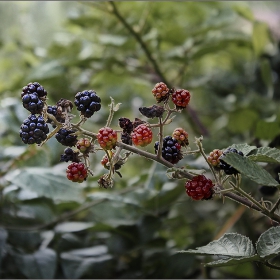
pixel 66 137
pixel 33 130
pixel 214 156
pixel 76 172
pixel 69 155
pixel 84 145
pixel 107 138
pixel 87 102
pixel 171 149
pixel 181 136
pixel 160 92
pixel 199 188
pixel 228 169
pixel 105 160
pixel 181 98
pixel 142 135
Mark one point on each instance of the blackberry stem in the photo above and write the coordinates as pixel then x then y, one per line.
pixel 275 206
pixel 160 135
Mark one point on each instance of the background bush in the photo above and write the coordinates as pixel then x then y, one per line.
pixel 53 228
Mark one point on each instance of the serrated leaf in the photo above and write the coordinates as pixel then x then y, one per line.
pixel 268 244
pixel 250 169
pixel 244 148
pixel 44 182
pixel 266 154
pixel 232 261
pixel 230 244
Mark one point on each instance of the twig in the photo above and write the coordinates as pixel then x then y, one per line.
pixel 267 263
pixel 275 206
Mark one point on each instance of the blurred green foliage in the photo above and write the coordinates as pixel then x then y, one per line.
pixel 52 228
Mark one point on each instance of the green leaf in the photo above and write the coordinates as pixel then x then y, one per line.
pixel 267 77
pixel 40 265
pixel 244 148
pixel 73 227
pixel 266 130
pixel 244 11
pixel 230 244
pixel 265 154
pixel 236 123
pixel 260 37
pixel 232 261
pixel 45 182
pixel 250 169
pixel 268 244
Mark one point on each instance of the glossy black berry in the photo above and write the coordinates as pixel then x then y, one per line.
pixel 268 190
pixel 228 169
pixel 33 96
pixel 87 102
pixel 171 149
pixel 69 155
pixel 66 138
pixel 53 110
pixel 34 130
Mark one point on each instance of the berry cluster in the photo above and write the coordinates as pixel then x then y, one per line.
pixel 214 157
pixel 77 172
pixel 33 96
pixel 107 138
pixel 142 135
pixel 87 102
pixel 66 137
pixel 181 136
pixel 171 149
pixel 199 188
pixel 33 130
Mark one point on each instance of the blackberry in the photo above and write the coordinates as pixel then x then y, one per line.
pixel 214 156
pixel 84 145
pixel 126 125
pixel 160 92
pixel 181 135
pixel 181 98
pixel 66 138
pixel 142 135
pixel 69 155
pixel 87 102
pixel 228 169
pixel 199 188
pixel 33 96
pixel 33 130
pixel 76 172
pixel 56 112
pixel 107 138
pixel 171 149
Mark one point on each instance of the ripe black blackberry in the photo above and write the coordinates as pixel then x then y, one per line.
pixel 171 149
pixel 33 96
pixel 53 110
pixel 228 169
pixel 33 130
pixel 87 102
pixel 66 138
pixel 69 155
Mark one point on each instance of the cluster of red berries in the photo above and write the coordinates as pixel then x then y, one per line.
pixel 180 97
pixel 199 188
